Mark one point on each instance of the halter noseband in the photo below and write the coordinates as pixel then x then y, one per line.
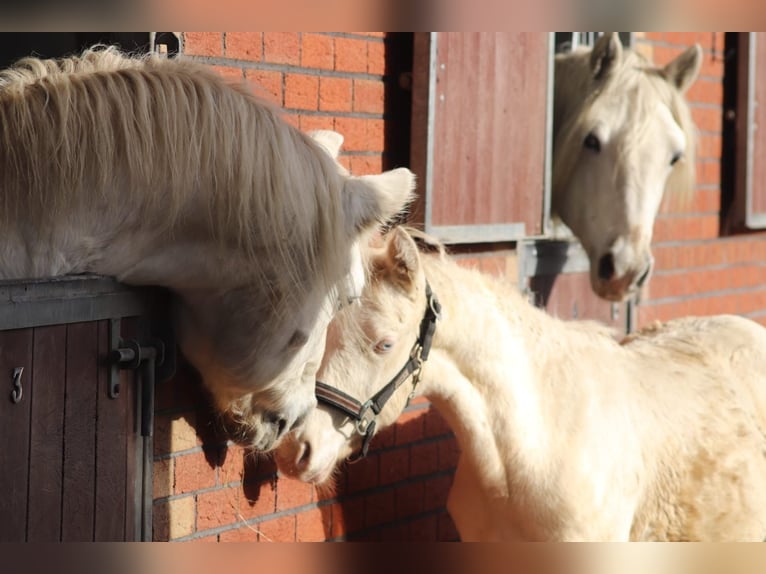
pixel 365 414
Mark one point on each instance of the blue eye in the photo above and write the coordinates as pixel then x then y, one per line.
pixel 384 346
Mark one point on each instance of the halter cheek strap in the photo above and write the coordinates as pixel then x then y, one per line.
pixel 365 414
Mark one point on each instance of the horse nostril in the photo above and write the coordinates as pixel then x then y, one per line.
pixel 305 457
pixel 606 267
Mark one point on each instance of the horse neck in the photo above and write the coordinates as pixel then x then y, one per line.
pixel 480 376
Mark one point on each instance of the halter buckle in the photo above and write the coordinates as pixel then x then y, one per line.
pixel 366 418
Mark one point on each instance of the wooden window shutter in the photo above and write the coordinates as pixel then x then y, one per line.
pixel 480 134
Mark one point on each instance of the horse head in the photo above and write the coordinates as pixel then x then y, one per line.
pixel 623 132
pixel 367 345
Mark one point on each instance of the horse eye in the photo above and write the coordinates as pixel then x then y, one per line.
pixel 676 157
pixel 592 143
pixel 384 346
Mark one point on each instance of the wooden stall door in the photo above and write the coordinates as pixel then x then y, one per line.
pixel 69 450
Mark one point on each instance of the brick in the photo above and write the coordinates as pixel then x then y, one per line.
pixel 267 84
pixel 436 491
pixel 376 58
pixel 435 424
pixel 282 48
pixel 705 91
pixel 685 228
pixel 350 55
pixel 707 119
pixel 345 161
pixel 410 499
pixel 278 530
pixel 424 529
pixel 292 493
pixel 173 518
pixel 317 51
pixel 424 458
pixel 347 517
pixel 234 75
pixel 376 135
pixel 309 123
pixel 680 38
pixel 709 146
pixel 301 91
pixel 394 465
pixel 363 474
pixel 447 532
pixel 175 433
pixel 291 117
pixel 314 525
pixel 708 172
pixel 390 533
pixel 193 472
pixel 217 508
pixel 258 500
pixel 379 508
pixel 368 165
pixel 162 478
pixel 203 43
pixel 337 520
pixel 449 454
pixel 369 96
pixel 232 465
pixel 335 94
pixel 354 131
pixel 243 534
pixel 244 46
pixel 384 438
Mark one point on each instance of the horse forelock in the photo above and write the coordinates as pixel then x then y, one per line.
pixel 174 139
pixel 642 86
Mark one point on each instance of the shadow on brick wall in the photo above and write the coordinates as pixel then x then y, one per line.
pixel 209 489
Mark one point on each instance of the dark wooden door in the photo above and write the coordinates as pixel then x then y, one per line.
pixel 72 460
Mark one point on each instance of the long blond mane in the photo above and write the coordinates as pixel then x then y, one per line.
pixel 642 85
pixel 155 135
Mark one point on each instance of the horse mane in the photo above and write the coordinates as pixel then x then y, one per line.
pixel 640 81
pixel 155 135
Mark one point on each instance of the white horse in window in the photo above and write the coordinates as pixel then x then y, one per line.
pixel 159 172
pixel 623 133
pixel 565 433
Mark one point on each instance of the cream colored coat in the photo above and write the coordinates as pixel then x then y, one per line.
pixel 565 433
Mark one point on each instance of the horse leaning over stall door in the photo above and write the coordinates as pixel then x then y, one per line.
pixel 623 133
pixel 565 433
pixel 159 172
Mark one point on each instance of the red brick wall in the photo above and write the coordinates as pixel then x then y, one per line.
pixel 208 489
pixel 699 271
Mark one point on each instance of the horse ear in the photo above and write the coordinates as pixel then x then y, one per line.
pixel 606 55
pixel 329 140
pixel 399 260
pixel 683 70
pixel 372 199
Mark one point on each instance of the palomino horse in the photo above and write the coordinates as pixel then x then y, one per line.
pixel 565 433
pixel 159 172
pixel 622 135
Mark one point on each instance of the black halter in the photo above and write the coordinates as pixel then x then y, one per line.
pixel 365 414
